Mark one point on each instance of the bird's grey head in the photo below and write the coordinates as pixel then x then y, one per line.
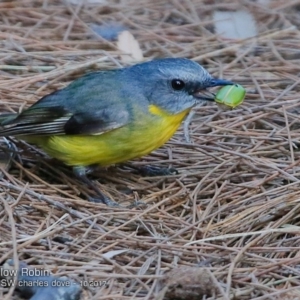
pixel 174 84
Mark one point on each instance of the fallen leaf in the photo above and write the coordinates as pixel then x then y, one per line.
pixel 109 31
pixel 129 45
pixel 235 24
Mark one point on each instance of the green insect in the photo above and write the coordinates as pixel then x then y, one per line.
pixel 231 95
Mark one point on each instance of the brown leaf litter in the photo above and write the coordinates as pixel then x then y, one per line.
pixel 228 220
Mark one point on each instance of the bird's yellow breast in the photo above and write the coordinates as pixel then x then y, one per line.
pixel 145 134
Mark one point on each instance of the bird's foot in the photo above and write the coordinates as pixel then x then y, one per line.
pixel 105 200
pixel 157 171
pixel 80 172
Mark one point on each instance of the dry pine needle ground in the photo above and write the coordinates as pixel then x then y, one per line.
pixel 234 208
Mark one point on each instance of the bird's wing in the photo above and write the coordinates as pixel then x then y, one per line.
pixel 93 104
pixel 57 120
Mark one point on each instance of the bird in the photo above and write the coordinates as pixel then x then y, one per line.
pixel 111 116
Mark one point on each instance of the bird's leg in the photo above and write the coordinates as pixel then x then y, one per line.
pixel 80 172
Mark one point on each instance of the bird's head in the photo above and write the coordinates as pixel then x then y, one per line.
pixel 175 84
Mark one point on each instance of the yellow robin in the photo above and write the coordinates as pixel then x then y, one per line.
pixel 108 117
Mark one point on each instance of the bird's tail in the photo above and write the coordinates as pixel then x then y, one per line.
pixel 6 118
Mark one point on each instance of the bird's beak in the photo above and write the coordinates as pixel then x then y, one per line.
pixel 204 94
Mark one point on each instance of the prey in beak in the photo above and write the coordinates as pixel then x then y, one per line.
pixel 204 94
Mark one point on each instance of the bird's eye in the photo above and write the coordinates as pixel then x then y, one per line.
pixel 177 84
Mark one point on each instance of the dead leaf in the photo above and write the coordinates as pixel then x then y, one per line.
pixel 129 45
pixel 235 24
pixel 108 31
